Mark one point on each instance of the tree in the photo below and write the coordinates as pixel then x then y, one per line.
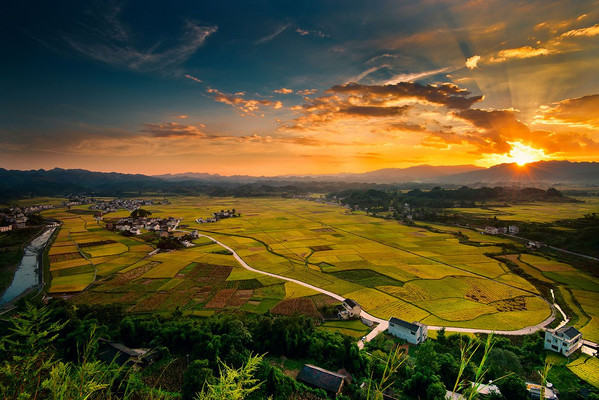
pixel 197 375
pixel 513 388
pixel 233 384
pixel 140 213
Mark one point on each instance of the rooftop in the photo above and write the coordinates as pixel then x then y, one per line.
pixel 322 378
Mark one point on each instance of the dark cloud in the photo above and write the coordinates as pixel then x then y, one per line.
pixel 371 111
pixel 446 94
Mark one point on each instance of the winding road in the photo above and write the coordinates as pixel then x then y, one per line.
pixel 382 324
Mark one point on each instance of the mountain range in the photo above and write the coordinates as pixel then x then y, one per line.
pixel 16 183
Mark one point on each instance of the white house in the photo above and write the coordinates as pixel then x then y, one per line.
pixel 565 340
pixel 513 229
pixel 414 332
pixel 351 309
pixel 491 230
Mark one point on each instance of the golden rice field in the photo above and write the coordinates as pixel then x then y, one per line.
pixel 587 368
pixel 413 273
pixel 537 211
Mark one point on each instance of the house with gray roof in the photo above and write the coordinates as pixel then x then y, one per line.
pixel 565 340
pixel 414 332
pixel 322 378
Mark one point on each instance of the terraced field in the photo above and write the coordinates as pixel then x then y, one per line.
pixel 537 211
pixel 414 273
pixel 390 269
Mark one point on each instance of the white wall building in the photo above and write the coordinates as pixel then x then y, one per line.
pixel 565 340
pixel 414 332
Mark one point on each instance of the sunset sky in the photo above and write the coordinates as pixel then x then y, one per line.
pixel 306 87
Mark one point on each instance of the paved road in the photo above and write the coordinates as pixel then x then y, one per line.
pixel 382 324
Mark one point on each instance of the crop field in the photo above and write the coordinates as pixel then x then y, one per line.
pixel 413 273
pixel 586 368
pixel 537 211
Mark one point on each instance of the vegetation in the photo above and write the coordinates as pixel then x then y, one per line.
pixel 11 252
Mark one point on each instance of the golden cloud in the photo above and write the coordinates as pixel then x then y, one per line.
pixel 245 106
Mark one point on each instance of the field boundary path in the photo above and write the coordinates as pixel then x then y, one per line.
pixel 382 324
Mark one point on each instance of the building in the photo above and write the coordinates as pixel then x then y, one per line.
pixel 321 378
pixel 535 391
pixel 351 309
pixel 491 230
pixel 109 351
pixel 565 340
pixel 414 333
pixel 486 389
pixel 5 228
pixel 513 229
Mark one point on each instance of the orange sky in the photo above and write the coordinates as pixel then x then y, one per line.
pixel 306 91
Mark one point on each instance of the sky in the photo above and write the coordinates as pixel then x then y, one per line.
pixel 306 87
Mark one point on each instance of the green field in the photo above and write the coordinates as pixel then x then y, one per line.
pixel 414 273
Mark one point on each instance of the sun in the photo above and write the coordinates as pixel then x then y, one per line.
pixel 520 154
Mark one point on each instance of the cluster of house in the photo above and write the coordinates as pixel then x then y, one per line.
pixel 218 215
pixel 17 217
pixel 116 204
pixel 502 230
pixel 135 225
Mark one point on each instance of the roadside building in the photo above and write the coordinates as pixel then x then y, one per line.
pixel 109 351
pixel 351 309
pixel 322 379
pixel 513 229
pixel 535 391
pixel 565 340
pixel 414 333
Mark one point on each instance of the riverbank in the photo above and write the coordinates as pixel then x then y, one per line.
pixel 29 272
pixel 12 245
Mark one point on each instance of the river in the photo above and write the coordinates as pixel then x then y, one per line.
pixel 27 274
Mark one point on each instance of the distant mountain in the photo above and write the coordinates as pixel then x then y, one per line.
pixel 58 181
pixel 15 184
pixel 382 176
pixel 550 172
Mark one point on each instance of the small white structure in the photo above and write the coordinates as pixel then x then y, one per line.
pixel 535 391
pixel 565 340
pixel 513 229
pixel 486 389
pixel 414 333
pixel 491 230
pixel 351 309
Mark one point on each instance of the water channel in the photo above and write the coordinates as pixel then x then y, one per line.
pixel 28 273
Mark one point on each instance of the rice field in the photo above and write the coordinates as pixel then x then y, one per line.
pixel 413 273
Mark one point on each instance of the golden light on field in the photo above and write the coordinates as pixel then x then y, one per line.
pixel 520 154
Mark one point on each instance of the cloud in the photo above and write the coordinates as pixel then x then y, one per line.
pixel 245 106
pixel 472 62
pixel 446 94
pixel 577 112
pixel 367 72
pixel 496 131
pixel 520 52
pixel 193 78
pixel 273 35
pixel 173 129
pixel 304 32
pixel 307 92
pixel 372 111
pixel 283 91
pixel 588 32
pixel 415 76
pixel 109 42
